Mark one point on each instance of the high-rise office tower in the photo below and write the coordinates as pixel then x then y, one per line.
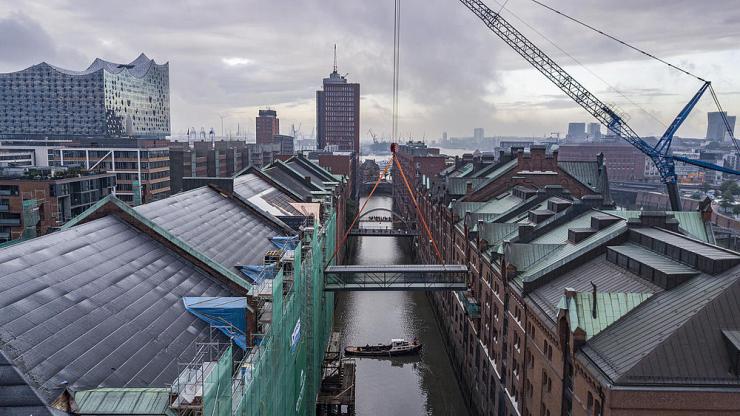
pixel 478 134
pixel 268 125
pixel 338 114
pixel 105 100
pixel 594 131
pixel 576 132
pixel 716 129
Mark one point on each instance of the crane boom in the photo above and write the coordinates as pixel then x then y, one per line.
pixel 598 109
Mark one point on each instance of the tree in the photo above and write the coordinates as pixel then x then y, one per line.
pixel 696 195
pixel 736 210
pixel 730 186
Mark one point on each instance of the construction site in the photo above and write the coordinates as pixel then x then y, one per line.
pixel 532 291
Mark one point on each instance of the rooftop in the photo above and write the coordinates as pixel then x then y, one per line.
pixel 67 322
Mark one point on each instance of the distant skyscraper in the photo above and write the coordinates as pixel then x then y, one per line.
pixel 105 100
pixel 716 129
pixel 478 134
pixel 338 114
pixel 268 125
pixel 594 131
pixel 576 132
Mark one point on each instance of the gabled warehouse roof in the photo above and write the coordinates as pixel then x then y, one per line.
pixel 98 305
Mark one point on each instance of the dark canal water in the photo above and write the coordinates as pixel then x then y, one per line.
pixel 423 385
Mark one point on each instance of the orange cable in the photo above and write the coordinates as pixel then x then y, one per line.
pixel 418 211
pixel 346 234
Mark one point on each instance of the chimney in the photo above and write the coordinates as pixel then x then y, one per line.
pixel 593 300
pixel 525 231
pixel 600 161
pixel 468 188
pixel 307 180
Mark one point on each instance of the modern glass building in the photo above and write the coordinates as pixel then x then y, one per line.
pixel 105 100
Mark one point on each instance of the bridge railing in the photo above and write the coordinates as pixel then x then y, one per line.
pixel 396 277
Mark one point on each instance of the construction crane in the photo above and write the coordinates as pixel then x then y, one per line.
pixel 659 154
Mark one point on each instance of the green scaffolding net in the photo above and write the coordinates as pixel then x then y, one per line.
pixel 217 387
pixel 282 374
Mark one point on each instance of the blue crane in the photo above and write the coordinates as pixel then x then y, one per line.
pixel 659 154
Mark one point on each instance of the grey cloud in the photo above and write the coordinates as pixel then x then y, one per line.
pixel 24 41
pixel 448 57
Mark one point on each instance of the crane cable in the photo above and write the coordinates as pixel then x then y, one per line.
pixel 396 66
pixel 418 210
pixel 611 87
pixel 728 127
pixel 359 213
pixel 648 54
pixel 723 113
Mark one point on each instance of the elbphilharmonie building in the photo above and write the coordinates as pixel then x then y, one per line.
pixel 105 100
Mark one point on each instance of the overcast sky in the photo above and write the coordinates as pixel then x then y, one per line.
pixel 232 57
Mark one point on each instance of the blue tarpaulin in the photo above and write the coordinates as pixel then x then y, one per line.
pixel 228 314
pixel 285 243
pixel 257 273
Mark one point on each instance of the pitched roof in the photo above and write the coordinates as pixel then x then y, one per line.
pixel 262 194
pixel 690 222
pixel 130 401
pixel 607 276
pixel 290 179
pixel 307 167
pixel 17 398
pixel 98 305
pixel 674 338
pixel 585 172
pixel 609 307
pixel 215 225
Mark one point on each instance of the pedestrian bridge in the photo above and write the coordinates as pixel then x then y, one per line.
pixel 404 277
pixel 382 232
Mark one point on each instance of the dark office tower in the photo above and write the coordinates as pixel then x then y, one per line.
pixel 268 125
pixel 105 100
pixel 338 114
pixel 716 128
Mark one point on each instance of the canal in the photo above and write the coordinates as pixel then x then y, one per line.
pixel 410 386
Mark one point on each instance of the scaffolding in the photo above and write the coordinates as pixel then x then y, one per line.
pixel 281 373
pixel 203 385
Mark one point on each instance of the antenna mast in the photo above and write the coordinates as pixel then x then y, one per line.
pixel 335 57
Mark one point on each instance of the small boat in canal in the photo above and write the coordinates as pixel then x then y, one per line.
pixel 395 348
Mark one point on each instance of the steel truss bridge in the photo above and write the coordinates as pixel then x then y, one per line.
pixel 404 277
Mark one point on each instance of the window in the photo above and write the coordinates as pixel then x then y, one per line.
pixel 546 382
pixel 590 404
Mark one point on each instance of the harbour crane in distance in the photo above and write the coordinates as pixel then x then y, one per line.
pixel 659 154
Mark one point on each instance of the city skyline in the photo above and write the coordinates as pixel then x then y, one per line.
pixel 223 61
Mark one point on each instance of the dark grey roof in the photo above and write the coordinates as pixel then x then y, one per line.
pixel 282 174
pixel 17 398
pixel 675 337
pixel 607 276
pixel 257 190
pixel 215 225
pixel 98 305
pixel 305 166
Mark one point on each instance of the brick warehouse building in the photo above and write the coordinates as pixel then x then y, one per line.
pixel 576 308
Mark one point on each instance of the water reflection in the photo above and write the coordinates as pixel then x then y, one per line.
pixel 407 386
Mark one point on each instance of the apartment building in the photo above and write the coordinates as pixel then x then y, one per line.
pixel 35 201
